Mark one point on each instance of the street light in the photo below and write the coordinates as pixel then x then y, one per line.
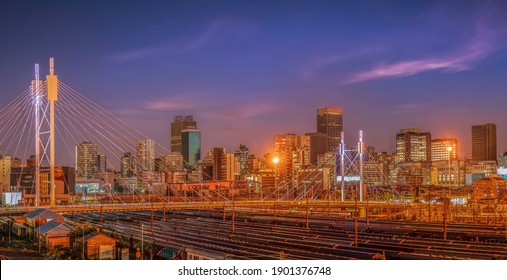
pixel 449 150
pixel 275 161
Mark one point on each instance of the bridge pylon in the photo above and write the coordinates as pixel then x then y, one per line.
pixel 44 96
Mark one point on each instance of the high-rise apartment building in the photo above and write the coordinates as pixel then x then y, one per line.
pixel 145 155
pixel 439 149
pixel 191 146
pixel 179 124
pixel 484 142
pixel 412 145
pixel 330 122
pixel 86 160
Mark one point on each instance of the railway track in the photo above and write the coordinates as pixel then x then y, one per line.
pixel 261 236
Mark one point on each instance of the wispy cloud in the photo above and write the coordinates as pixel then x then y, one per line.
pixel 315 66
pixel 172 103
pixel 141 53
pixel 239 112
pixel 480 47
pixel 189 42
pixel 205 37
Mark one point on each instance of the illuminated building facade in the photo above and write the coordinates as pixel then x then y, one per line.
pixel 86 159
pixel 145 155
pixel 439 149
pixel 412 145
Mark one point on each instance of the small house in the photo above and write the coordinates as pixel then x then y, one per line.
pixel 54 234
pixel 99 246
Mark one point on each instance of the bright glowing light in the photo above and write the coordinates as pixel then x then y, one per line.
pixel 276 160
pixel 449 149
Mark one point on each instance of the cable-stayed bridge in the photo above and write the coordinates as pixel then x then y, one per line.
pixel 46 122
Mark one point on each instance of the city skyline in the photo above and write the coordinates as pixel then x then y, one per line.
pixel 313 55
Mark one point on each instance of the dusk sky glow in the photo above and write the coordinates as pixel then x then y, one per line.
pixel 248 71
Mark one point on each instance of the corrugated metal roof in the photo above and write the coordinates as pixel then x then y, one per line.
pixel 43 213
pixel 50 226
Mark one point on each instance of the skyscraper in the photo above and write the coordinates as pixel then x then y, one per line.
pixel 241 154
pixel 286 149
pixel 439 149
pixel 330 122
pixel 191 146
pixel 127 166
pixel 86 160
pixel 145 155
pixel 179 124
pixel 412 145
pixel 484 142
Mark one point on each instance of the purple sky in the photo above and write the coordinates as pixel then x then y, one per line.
pixel 248 71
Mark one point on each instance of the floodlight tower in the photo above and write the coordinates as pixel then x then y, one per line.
pixel 52 89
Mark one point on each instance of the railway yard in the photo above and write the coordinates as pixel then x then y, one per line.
pixel 197 234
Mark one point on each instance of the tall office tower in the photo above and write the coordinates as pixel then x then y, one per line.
pixel 102 163
pixel 217 156
pixel 179 124
pixel 287 148
pixel 484 142
pixel 191 146
pixel 318 145
pixel 145 155
pixel 412 145
pixel 330 122
pixel 439 149
pixel 127 165
pixel 241 155
pixel 86 159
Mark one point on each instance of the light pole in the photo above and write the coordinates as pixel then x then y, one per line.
pixel 275 161
pixel 449 150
